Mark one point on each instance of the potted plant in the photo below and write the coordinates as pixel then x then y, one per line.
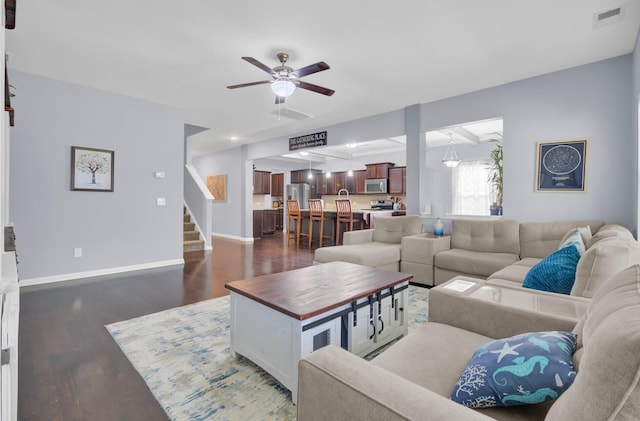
pixel 496 158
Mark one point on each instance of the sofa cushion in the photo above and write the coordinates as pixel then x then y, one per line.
pixel 367 254
pixel 513 273
pixel 540 239
pixel 610 231
pixel 485 236
pixel 607 385
pixel 473 262
pixel 555 273
pixel 437 354
pixel 603 260
pixel 391 229
pixel 524 369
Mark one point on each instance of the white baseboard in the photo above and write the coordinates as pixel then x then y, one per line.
pixel 99 272
pixel 233 237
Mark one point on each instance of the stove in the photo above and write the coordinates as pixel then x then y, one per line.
pixel 382 204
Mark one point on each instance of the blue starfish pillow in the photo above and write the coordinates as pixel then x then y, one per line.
pixel 524 369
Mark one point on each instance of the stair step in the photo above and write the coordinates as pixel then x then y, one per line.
pixel 191 235
pixel 189 226
pixel 186 218
pixel 193 245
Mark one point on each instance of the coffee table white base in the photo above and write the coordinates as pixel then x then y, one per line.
pixel 275 341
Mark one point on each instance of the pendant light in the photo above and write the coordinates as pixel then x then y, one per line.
pixel 451 157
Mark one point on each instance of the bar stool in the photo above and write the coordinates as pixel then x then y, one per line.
pixel 316 213
pixel 344 214
pixel 293 214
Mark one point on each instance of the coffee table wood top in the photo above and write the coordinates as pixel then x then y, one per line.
pixel 307 292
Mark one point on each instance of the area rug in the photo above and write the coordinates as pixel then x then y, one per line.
pixel 183 355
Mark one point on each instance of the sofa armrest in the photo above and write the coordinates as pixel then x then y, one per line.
pixel 357 236
pixel 500 312
pixel 334 384
pixel 421 248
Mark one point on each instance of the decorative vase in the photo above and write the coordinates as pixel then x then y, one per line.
pixel 438 229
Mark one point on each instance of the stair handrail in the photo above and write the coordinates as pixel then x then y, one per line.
pixel 199 201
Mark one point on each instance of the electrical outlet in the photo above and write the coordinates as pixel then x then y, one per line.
pixel 159 174
pixel 161 201
pixel 77 252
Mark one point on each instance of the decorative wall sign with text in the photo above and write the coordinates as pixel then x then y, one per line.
pixel 561 165
pixel 308 141
pixel 91 169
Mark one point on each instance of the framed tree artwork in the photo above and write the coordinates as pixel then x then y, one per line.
pixel 561 166
pixel 91 169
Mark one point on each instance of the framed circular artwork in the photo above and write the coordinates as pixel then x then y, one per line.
pixel 561 165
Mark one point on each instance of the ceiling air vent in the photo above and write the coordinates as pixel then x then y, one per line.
pixel 607 17
pixel 292 114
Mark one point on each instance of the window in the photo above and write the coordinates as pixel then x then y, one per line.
pixel 471 190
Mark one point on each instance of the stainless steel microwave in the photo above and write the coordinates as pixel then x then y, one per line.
pixel 375 185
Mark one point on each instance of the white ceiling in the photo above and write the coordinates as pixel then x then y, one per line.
pixel 383 55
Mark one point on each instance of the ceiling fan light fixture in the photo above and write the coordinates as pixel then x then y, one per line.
pixel 283 87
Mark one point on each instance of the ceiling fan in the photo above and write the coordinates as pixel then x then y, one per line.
pixel 285 80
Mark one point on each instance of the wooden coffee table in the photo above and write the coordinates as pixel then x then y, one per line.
pixel 276 319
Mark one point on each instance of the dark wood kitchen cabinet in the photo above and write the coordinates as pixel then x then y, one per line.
pixel 398 180
pixel 261 182
pixel 277 184
pixel 380 170
pixel 359 177
pixel 339 181
pixel 269 217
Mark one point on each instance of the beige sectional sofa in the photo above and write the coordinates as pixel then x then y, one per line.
pixel 376 247
pixel 413 379
pixel 500 249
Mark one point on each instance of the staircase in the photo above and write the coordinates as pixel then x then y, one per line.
pixel 191 237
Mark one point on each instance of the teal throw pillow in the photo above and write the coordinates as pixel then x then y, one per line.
pixel 556 272
pixel 525 369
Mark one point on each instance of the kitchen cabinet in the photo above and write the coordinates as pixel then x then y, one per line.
pixel 277 184
pixel 298 176
pixel 339 181
pixel 380 170
pixel 350 183
pixel 257 223
pixel 279 219
pixel 264 221
pixel 359 177
pixel 398 180
pixel 261 182
pixel 269 221
pixel 322 184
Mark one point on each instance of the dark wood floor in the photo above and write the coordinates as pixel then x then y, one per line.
pixel 69 366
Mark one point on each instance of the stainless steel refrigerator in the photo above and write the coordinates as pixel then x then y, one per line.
pixel 301 192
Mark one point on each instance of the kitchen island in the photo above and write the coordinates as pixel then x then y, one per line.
pixel 366 215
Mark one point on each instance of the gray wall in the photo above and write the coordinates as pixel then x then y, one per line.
pixel 120 229
pixel 228 215
pixel 592 101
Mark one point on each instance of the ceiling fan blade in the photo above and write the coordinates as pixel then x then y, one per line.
pixel 259 64
pixel 242 85
pixel 310 69
pixel 314 88
pixel 280 99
